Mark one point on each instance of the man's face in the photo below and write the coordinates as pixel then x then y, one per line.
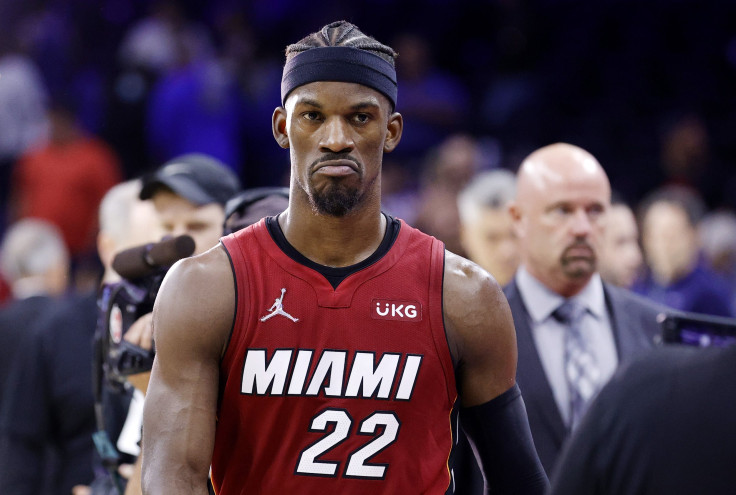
pixel 562 223
pixel 491 242
pixel 179 216
pixel 621 256
pixel 337 133
pixel 669 241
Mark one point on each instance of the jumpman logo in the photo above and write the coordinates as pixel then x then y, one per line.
pixel 278 309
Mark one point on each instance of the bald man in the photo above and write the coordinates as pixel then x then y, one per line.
pixel 573 330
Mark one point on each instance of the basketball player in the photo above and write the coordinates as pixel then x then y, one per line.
pixel 323 350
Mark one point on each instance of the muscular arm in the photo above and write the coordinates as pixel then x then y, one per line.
pixel 482 338
pixel 480 331
pixel 192 318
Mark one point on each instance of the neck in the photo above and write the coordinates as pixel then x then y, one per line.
pixel 334 241
pixel 564 286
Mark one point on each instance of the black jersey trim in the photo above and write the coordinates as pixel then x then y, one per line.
pixel 235 313
pixel 335 275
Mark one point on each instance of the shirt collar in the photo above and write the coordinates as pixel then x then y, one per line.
pixel 546 300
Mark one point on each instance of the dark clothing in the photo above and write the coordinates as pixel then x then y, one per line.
pixel 16 320
pixel 634 325
pixel 701 291
pixel 52 405
pixel 663 425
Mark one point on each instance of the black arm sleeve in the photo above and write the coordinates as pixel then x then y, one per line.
pixel 499 433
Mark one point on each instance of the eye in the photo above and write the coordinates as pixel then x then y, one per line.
pixel 596 211
pixel 562 209
pixel 313 116
pixel 361 118
pixel 197 226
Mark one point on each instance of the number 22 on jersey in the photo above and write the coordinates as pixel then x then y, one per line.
pixel 382 425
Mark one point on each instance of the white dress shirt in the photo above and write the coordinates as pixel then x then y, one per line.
pixel 549 334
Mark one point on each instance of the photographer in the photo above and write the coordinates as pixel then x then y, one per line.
pixel 187 196
pixel 240 211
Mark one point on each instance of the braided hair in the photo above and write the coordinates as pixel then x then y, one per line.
pixel 342 33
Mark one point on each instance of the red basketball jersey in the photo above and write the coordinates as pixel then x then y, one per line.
pixel 328 391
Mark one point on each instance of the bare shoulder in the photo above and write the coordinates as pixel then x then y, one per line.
pixel 470 292
pixel 196 302
pixel 480 330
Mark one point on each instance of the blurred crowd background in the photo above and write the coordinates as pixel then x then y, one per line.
pixel 96 91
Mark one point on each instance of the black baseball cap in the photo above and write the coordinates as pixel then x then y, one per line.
pixel 196 177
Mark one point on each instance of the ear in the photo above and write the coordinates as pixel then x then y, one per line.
pixel 516 219
pixel 395 127
pixel 105 249
pixel 278 126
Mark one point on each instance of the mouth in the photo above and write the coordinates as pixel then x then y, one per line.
pixel 336 168
pixel 579 252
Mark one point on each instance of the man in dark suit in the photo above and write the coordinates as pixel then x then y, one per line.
pixel 662 425
pixel 573 330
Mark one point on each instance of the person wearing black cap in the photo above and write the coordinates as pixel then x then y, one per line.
pixel 190 193
pixel 328 349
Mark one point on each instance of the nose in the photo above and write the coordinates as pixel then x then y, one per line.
pixel 581 225
pixel 336 136
pixel 177 230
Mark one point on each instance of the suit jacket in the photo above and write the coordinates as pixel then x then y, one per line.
pixel 634 324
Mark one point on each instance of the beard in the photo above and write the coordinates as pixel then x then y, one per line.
pixel 578 266
pixel 336 199
pixel 339 195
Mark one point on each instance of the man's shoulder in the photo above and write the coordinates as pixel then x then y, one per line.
pixel 460 270
pixel 655 369
pixel 65 317
pixel 632 300
pixel 207 268
pixel 197 298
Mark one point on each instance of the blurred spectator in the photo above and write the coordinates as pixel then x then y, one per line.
pixel 678 276
pixel 685 151
pixel 125 221
pixel 156 42
pixel 251 205
pixel 194 106
pixel 620 259
pixel 486 232
pixel 447 170
pixel 63 181
pixel 189 193
pixel 432 101
pixel 35 261
pixel 22 113
pixel 46 425
pixel 717 234
pixel 398 190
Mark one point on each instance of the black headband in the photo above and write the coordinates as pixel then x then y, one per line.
pixel 339 63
